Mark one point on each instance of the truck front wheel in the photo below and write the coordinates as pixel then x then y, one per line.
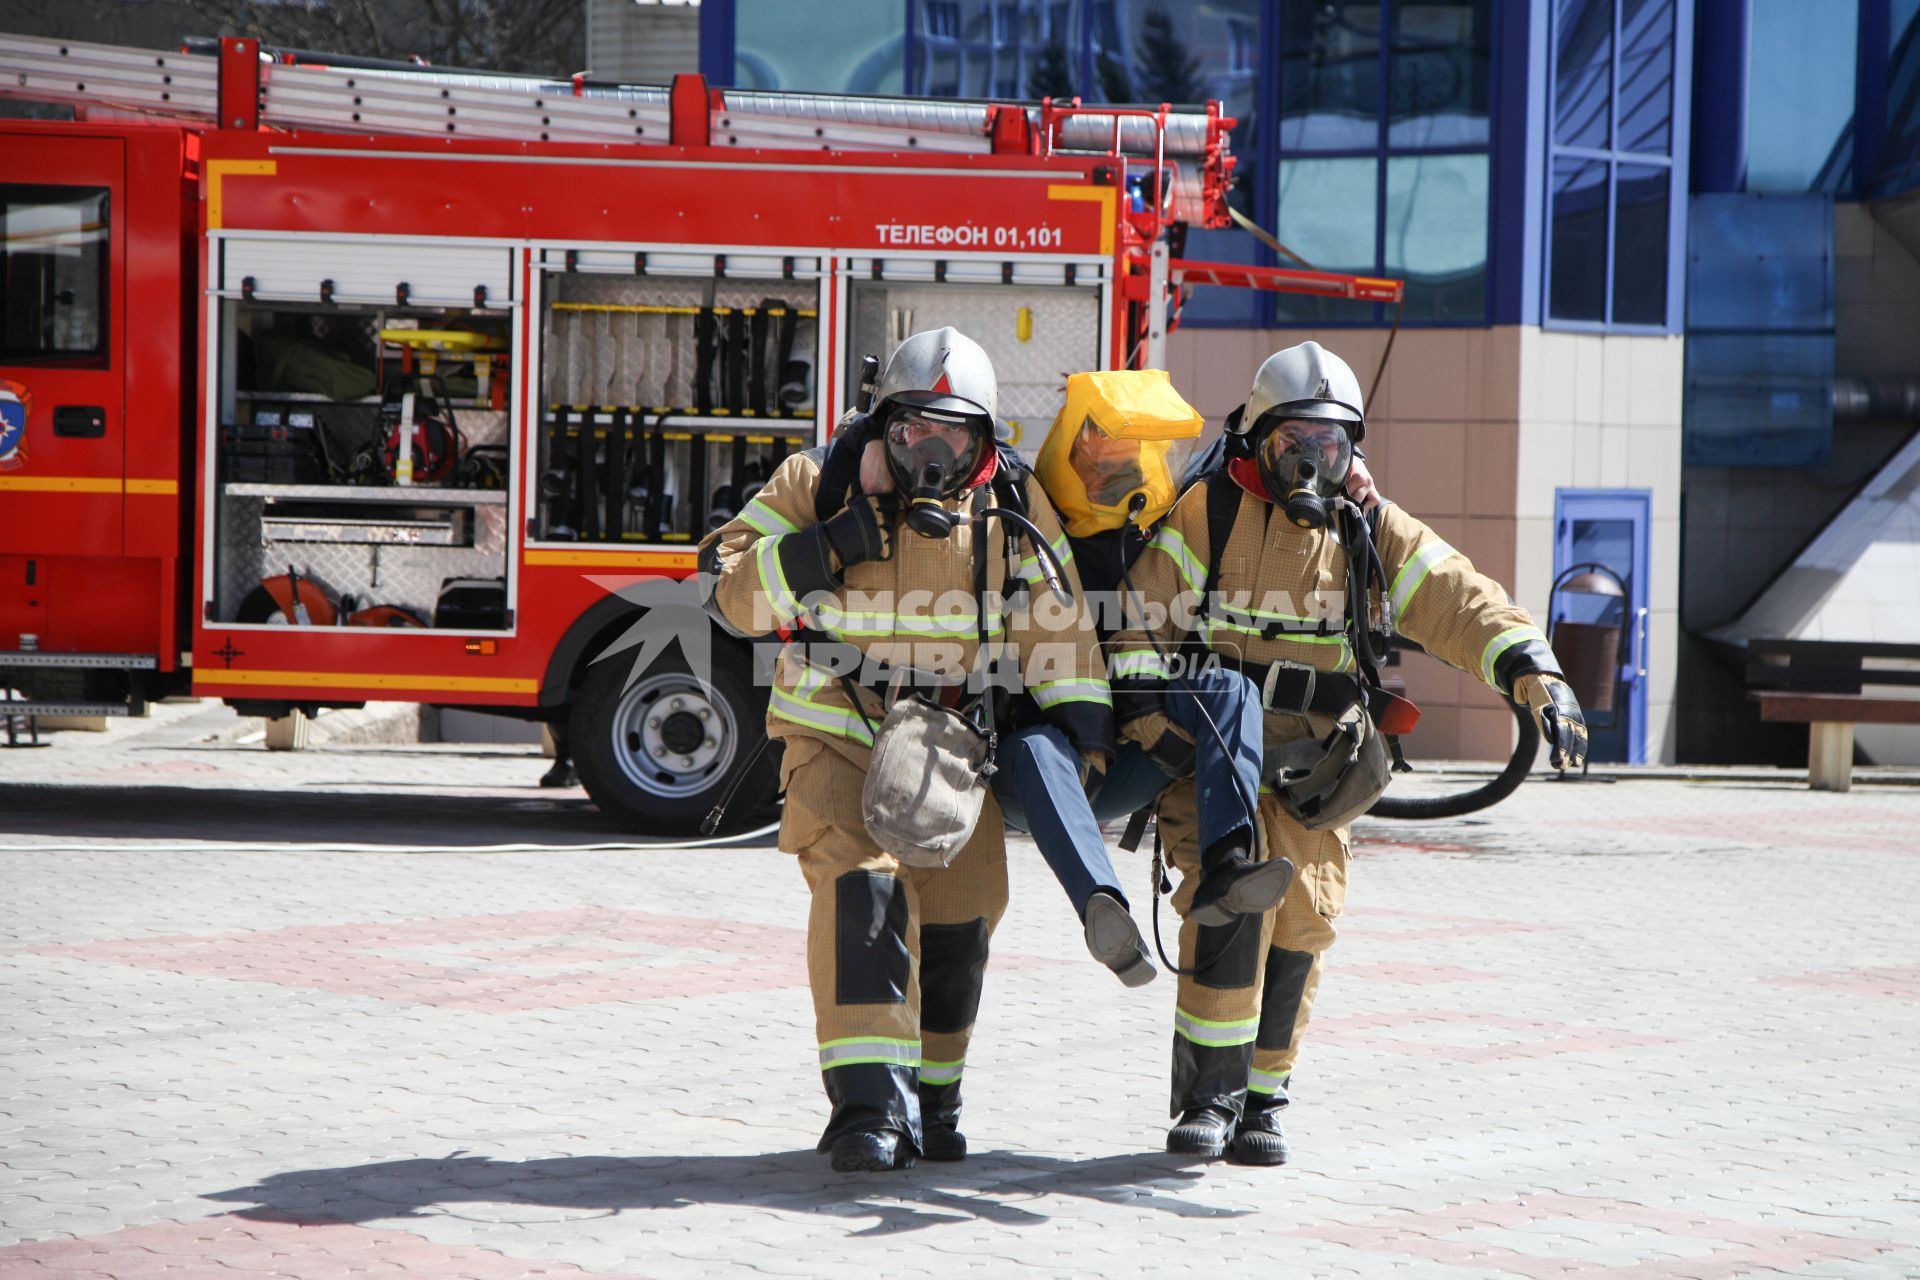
pixel 658 754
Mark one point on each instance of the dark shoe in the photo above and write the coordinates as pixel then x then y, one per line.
pixel 1260 1140
pixel 1202 1131
pixel 943 1142
pixel 1239 886
pixel 1115 941
pixel 869 1151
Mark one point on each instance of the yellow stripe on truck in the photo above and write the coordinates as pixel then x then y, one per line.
pixel 365 680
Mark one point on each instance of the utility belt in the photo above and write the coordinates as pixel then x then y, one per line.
pixel 1296 688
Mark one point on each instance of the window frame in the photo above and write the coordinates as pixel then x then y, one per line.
pixel 1612 156
pixel 100 355
pixel 1382 151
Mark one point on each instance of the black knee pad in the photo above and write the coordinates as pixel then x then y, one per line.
pixel 953 966
pixel 1226 957
pixel 1286 987
pixel 870 939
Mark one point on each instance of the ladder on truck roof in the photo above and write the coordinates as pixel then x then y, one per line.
pixel 298 91
pixel 247 86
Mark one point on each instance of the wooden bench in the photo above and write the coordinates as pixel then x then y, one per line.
pixel 1832 717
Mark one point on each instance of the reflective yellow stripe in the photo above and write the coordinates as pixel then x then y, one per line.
pixel 941 1072
pixel 1414 572
pixel 1052 693
pixel 1214 1035
pixel 1503 642
pixel 848 1052
pixel 204 678
pixel 1136 664
pixel 1175 546
pixel 880 623
pixel 764 519
pixel 773 579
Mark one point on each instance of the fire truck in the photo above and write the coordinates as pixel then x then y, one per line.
pixel 326 381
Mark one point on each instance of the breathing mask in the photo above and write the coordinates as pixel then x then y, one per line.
pixel 932 454
pixel 1303 462
pixel 1118 450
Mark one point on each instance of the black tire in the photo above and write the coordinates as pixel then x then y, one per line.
pixel 630 743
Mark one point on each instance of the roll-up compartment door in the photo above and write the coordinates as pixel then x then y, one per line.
pixel 363 270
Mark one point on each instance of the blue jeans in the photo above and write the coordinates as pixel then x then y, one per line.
pixel 1038 782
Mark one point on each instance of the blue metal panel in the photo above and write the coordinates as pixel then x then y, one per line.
pixel 1683 36
pixel 1518 108
pixel 1761 262
pixel 716 41
pixel 1870 94
pixel 1719 97
pixel 1758 399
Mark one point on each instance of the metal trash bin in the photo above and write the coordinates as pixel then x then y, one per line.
pixel 1591 653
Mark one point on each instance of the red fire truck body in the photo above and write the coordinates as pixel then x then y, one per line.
pixel 315 416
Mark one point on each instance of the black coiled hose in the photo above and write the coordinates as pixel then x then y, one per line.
pixel 1480 797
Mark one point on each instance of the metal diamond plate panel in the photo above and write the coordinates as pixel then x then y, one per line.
pixel 1063 338
pixel 409 577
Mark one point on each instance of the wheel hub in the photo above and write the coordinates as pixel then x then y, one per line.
pixel 674 735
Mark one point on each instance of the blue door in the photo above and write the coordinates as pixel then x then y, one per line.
pixel 1609 527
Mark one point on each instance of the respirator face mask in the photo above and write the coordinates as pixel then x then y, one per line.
pixel 1304 463
pixel 932 454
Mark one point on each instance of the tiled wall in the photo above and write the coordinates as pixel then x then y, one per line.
pixel 1472 430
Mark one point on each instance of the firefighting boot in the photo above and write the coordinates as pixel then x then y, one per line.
pixel 1260 1139
pixel 1233 884
pixel 1115 941
pixel 1202 1131
pixel 869 1151
pixel 940 1136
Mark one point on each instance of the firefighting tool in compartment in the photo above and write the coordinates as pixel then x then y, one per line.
pixel 1118 450
pixel 295 599
pixel 422 441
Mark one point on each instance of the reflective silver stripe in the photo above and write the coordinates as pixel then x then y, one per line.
pixel 799 708
pixel 859 1049
pixel 773 579
pixel 941 1072
pixel 765 519
pixel 1415 571
pixel 1136 663
pixel 1214 1035
pixel 1052 693
pixel 1191 569
pixel 1028 567
pixel 879 623
pixel 1259 1081
pixel 1503 642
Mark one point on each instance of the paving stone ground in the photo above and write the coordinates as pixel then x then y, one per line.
pixel 1644 1028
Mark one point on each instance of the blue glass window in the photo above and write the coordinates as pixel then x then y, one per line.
pixel 1801 69
pixel 1438 94
pixel 1329 75
pixel 1436 234
pixel 1610 202
pixel 854 46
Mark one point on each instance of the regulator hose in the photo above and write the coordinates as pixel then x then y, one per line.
pixel 1489 793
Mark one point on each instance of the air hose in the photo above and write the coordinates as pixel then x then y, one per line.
pixel 1489 793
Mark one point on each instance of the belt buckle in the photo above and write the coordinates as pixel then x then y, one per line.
pixel 1272 681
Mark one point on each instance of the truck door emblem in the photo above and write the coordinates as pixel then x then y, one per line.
pixel 16 402
pixel 228 653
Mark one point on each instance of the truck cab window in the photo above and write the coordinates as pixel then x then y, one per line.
pixel 53 268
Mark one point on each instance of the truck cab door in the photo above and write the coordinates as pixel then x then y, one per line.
pixel 62 332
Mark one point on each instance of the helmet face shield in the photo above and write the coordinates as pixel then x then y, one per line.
pixel 1296 453
pixel 919 439
pixel 1112 469
pixel 1118 450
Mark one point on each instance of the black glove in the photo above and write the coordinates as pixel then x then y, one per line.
pixel 1561 724
pixel 864 531
pixel 1170 750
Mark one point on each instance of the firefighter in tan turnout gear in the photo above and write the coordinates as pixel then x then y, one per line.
pixel 1272 601
pixel 897 953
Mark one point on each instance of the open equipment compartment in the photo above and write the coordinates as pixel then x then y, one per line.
pixel 362 455
pixel 671 387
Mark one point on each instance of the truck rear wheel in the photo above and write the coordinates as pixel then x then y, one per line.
pixel 657 755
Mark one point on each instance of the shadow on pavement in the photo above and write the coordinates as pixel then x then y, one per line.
pixel 303 816
pixel 988 1186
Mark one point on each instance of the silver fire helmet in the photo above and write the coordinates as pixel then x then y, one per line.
pixel 1307 381
pixel 941 369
